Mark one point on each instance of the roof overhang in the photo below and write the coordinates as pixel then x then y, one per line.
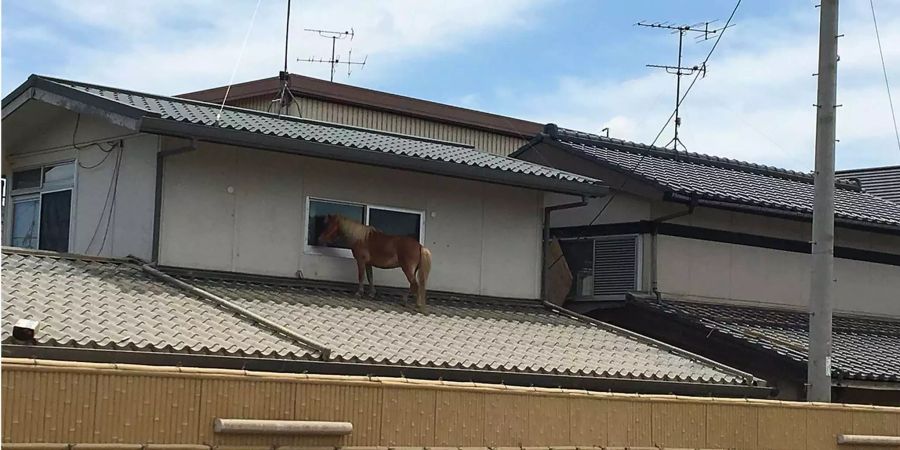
pixel 136 119
pixel 367 157
pixel 535 151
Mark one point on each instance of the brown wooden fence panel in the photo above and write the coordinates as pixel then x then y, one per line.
pixel 51 404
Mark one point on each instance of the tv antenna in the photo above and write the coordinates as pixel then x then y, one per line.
pixel 704 33
pixel 335 59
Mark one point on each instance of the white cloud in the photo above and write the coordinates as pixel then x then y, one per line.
pixel 756 101
pixel 174 46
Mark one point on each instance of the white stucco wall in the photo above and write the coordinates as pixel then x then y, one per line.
pixel 49 140
pixel 714 271
pixel 485 238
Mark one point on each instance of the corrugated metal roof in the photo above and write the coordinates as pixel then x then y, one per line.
pixel 883 182
pixel 90 302
pixel 414 148
pixel 722 180
pixel 863 348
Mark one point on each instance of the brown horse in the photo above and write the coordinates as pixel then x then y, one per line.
pixel 371 247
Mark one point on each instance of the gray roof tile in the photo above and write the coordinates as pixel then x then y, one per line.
pixel 724 180
pixel 882 182
pixel 196 112
pixel 863 348
pixel 91 302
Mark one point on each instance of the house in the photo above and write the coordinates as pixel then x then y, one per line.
pixel 160 230
pixel 711 254
pixel 883 181
pixel 327 101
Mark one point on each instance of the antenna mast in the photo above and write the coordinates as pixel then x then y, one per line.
pixel 285 97
pixel 335 60
pixel 678 70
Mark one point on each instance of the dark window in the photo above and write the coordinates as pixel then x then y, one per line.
pixel 319 209
pixel 27 179
pixel 56 208
pixel 397 223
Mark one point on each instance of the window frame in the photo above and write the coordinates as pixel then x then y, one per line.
pixel 38 192
pixel 312 249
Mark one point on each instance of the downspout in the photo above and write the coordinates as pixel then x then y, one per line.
pixel 654 245
pixel 157 201
pixel 546 239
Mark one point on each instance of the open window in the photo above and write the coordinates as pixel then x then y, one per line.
pixel 389 220
pixel 41 200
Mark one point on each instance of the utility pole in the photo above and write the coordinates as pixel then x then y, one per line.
pixel 335 60
pixel 678 70
pixel 821 294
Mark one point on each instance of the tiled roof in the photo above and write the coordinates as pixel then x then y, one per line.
pixel 863 348
pixel 304 130
pixel 883 182
pixel 723 180
pixel 113 303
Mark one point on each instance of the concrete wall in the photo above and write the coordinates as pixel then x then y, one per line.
pixel 485 238
pixel 51 404
pixel 714 271
pixel 48 139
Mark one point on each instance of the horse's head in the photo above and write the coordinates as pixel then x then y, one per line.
pixel 332 229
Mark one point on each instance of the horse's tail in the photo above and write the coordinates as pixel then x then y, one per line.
pixel 422 271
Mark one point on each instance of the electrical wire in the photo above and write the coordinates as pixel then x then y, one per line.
pixel 697 74
pixel 887 84
pixel 238 62
pixel 107 204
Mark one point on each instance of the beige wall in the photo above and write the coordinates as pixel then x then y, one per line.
pixel 131 227
pixel 713 271
pixel 499 144
pixel 125 406
pixel 485 238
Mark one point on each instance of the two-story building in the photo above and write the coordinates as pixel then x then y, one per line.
pixel 712 254
pixel 160 230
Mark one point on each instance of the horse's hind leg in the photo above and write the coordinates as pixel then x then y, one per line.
pixel 371 280
pixel 410 272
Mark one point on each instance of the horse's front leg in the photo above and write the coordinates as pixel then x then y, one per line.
pixel 371 280
pixel 361 269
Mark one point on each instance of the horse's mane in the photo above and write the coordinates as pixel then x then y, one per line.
pixel 353 230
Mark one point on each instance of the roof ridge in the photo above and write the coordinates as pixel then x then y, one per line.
pixel 309 283
pixel 255 112
pixel 63 255
pixel 596 140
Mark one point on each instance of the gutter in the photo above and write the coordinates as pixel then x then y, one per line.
pixel 526 379
pixel 229 305
pixel 545 242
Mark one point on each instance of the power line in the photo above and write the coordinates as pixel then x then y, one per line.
pixel 697 74
pixel 238 62
pixel 887 85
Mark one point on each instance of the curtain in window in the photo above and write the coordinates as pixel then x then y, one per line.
pixel 56 208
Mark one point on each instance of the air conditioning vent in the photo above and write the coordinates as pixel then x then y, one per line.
pixel 615 270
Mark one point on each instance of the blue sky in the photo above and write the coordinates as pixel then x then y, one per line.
pixel 577 63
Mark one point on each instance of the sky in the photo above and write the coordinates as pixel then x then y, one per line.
pixel 578 63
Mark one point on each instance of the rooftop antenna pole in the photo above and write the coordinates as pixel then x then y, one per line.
pixel 678 70
pixel 821 294
pixel 335 60
pixel 285 97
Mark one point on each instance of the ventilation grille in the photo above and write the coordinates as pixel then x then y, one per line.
pixel 615 266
